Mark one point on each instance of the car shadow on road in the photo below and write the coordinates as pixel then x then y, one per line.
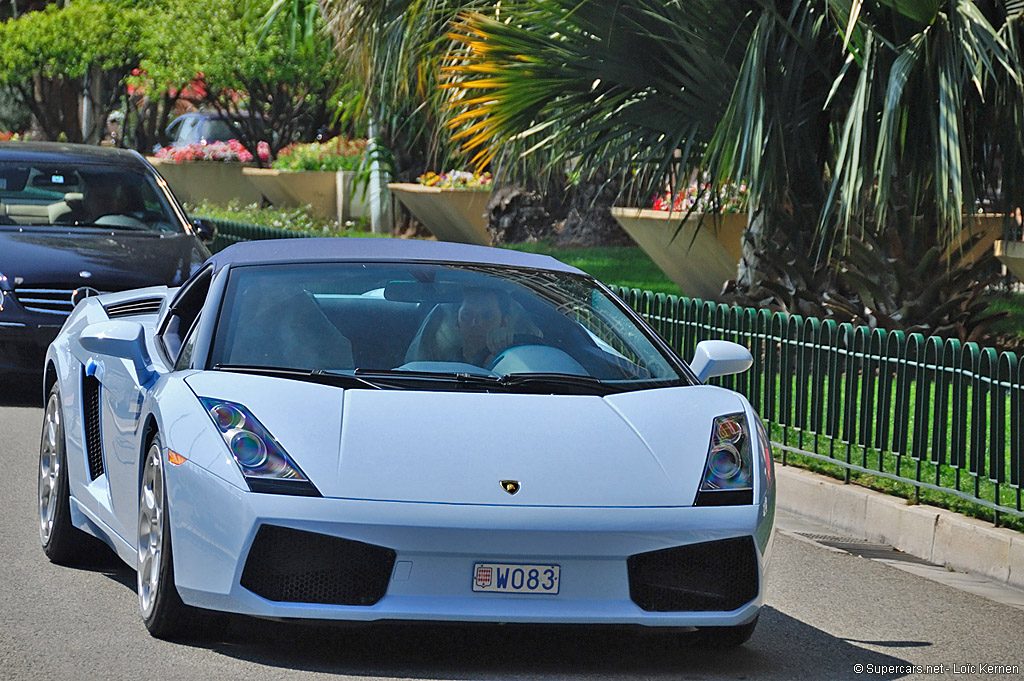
pixel 781 648
pixel 96 556
pixel 21 390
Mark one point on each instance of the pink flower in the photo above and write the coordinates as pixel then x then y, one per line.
pixel 231 151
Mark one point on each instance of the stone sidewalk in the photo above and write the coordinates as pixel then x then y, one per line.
pixel 933 534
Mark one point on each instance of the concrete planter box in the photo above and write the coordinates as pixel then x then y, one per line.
pixel 1011 253
pixel 213 181
pixel 328 194
pixel 989 226
pixel 449 214
pixel 699 261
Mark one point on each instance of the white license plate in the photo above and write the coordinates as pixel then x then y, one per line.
pixel 509 578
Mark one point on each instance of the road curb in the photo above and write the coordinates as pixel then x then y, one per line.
pixel 934 534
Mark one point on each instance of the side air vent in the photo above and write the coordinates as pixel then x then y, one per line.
pixel 133 307
pixel 91 409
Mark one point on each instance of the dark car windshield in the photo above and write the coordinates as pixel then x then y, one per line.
pixel 109 197
pixel 436 326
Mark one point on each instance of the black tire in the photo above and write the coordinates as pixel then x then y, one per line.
pixel 163 612
pixel 63 543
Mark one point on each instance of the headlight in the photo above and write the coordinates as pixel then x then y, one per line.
pixel 5 287
pixel 262 460
pixel 728 474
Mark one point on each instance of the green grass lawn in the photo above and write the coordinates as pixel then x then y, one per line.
pixel 625 266
pixel 1013 323
pixel 295 219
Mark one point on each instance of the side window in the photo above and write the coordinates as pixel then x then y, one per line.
pixel 185 355
pixel 181 318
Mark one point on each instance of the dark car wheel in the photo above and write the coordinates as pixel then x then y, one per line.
pixel 62 542
pixel 163 611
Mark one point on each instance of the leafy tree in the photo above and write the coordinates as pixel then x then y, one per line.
pixel 394 50
pixel 277 89
pixel 50 58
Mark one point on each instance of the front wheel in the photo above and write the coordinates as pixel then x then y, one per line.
pixel 163 612
pixel 63 543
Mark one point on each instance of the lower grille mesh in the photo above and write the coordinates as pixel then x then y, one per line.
pixel 305 567
pixel 712 576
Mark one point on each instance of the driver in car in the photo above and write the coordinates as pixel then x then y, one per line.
pixel 483 324
pixel 102 196
pixel 476 331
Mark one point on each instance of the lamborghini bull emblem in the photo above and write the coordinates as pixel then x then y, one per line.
pixel 510 486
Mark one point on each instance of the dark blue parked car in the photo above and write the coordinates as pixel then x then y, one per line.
pixel 76 221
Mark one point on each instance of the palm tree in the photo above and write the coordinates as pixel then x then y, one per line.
pixel 394 50
pixel 863 129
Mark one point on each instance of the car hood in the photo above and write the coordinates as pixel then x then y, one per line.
pixel 116 260
pixel 644 448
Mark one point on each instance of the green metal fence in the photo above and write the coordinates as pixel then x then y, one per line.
pixel 933 413
pixel 230 232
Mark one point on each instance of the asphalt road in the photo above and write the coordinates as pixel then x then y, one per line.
pixel 827 613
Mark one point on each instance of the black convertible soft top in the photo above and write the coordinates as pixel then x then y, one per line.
pixel 276 251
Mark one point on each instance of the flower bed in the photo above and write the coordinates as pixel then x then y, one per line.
pixel 320 176
pixel 333 155
pixel 698 197
pixel 456 179
pixel 451 205
pixel 231 151
pixel 697 251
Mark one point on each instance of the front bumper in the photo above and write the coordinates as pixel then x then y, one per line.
pixel 24 337
pixel 214 525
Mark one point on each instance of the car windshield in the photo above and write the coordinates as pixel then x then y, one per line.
pixel 109 197
pixel 474 326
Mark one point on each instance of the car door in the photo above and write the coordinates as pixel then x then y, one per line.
pixel 121 424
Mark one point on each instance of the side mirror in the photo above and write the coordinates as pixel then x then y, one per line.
pixel 122 339
pixel 205 230
pixel 719 358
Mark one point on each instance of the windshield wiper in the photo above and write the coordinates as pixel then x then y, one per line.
pixel 310 375
pixel 461 378
pixel 543 383
pixel 579 385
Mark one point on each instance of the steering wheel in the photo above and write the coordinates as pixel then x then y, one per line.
pixel 518 340
pixel 124 220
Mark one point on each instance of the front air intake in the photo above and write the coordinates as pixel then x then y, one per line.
pixel 305 567
pixel 717 576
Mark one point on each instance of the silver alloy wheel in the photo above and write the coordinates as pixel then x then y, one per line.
pixel 49 468
pixel 151 526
